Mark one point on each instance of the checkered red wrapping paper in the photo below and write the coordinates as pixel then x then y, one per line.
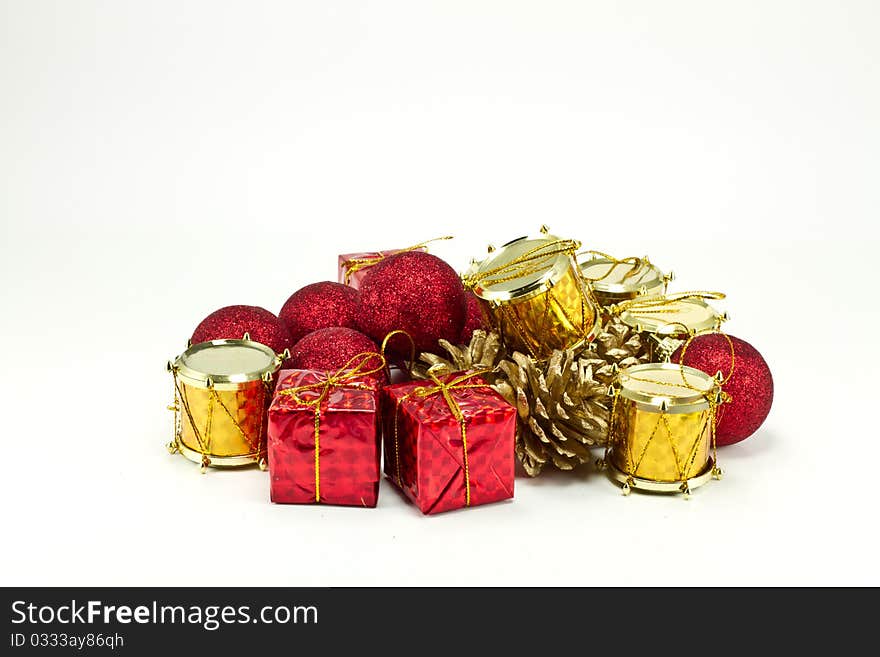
pixel 349 442
pixel 429 446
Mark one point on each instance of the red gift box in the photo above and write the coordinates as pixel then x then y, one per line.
pixel 354 266
pixel 449 443
pixel 323 438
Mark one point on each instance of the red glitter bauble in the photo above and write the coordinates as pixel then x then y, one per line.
pixel 331 348
pixel 750 388
pixel 475 317
pixel 317 306
pixel 414 292
pixel 232 322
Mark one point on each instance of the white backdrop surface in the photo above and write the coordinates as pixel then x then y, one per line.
pixel 160 160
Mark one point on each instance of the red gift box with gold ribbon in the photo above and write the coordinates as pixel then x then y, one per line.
pixel 449 442
pixel 324 439
pixel 354 266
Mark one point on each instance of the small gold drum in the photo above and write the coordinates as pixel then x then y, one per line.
pixel 535 295
pixel 661 437
pixel 613 281
pixel 665 325
pixel 222 390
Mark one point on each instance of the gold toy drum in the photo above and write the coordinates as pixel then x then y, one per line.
pixel 613 281
pixel 535 295
pixel 662 430
pixel 666 322
pixel 222 391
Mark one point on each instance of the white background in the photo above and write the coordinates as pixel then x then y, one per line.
pixel 159 160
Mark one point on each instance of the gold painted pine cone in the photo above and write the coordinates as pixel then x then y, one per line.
pixel 562 405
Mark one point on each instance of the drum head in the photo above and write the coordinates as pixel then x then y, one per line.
pixel 532 275
pixel 226 361
pixel 607 276
pixel 673 318
pixel 679 388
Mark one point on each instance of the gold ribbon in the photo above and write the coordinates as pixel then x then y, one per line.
pixel 342 378
pixel 530 262
pixel 659 303
pixel 445 389
pixel 353 265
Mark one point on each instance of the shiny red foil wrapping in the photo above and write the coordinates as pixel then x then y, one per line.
pixel 357 276
pixel 349 442
pixel 428 460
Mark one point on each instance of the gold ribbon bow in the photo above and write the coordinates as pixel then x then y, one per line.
pixel 531 262
pixel 445 389
pixel 342 378
pixel 353 265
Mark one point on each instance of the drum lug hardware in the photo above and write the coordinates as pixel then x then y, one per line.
pixel 600 464
pixel 246 336
pixel 490 248
pixel 669 277
pixel 173 407
pixel 262 464
pixel 725 316
pixel 169 366
pixel 209 382
pixel 717 473
pixel 171 447
pixel 267 376
pixel 203 468
pixel 189 343
pixel 544 229
pixel 664 405
pixel 628 485
pixel 686 490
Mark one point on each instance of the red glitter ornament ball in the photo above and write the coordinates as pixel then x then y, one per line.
pixel 317 306
pixel 232 322
pixel 475 317
pixel 750 387
pixel 414 292
pixel 331 348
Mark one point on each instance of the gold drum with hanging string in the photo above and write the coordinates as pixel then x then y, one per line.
pixel 666 321
pixel 222 391
pixel 661 437
pixel 535 295
pixel 613 281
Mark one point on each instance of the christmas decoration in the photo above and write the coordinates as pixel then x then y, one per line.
pixel 449 442
pixel 665 321
pixel 317 306
pixel 536 295
pixel 475 317
pixel 662 428
pixel 414 292
pixel 750 384
pixel 562 403
pixel 330 349
pixel 323 435
pixel 354 266
pixel 617 345
pixel 232 322
pixel 222 389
